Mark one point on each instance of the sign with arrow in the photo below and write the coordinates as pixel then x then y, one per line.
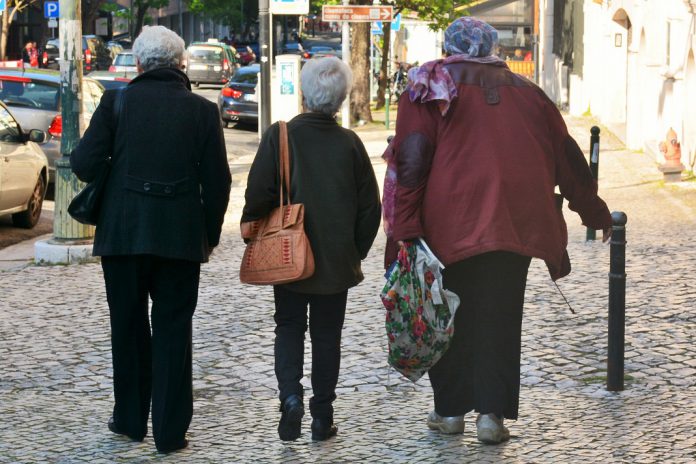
pixel 357 13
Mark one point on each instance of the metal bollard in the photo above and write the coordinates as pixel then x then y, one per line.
pixel 617 303
pixel 594 169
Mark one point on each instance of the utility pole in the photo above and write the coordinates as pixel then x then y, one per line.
pixel 67 231
pixel 265 81
pixel 345 51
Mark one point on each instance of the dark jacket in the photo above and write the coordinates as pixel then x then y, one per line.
pixel 332 175
pixel 482 178
pixel 169 184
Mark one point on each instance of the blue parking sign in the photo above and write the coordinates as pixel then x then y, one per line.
pixel 51 9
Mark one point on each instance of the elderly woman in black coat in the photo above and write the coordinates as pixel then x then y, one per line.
pixel 161 216
pixel 332 175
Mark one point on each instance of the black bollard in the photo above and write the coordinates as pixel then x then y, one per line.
pixel 594 169
pixel 617 303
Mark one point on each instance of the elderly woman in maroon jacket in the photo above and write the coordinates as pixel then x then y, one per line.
pixel 477 155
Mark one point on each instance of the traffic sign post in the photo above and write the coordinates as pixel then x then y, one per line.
pixel 357 13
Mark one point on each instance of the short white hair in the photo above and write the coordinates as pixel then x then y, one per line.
pixel 158 47
pixel 325 84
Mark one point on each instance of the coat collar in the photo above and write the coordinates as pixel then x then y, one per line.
pixel 315 118
pixel 164 75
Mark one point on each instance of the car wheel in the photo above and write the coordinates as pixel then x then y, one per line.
pixel 28 219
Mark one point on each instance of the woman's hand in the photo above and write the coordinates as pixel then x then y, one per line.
pixel 606 234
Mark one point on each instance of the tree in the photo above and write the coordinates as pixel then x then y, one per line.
pixel 232 13
pixel 90 12
pixel 12 7
pixel 141 7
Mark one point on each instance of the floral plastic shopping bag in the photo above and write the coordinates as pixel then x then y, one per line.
pixel 420 312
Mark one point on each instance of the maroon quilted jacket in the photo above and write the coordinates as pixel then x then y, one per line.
pixel 483 177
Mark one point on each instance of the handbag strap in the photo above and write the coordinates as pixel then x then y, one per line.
pixel 284 162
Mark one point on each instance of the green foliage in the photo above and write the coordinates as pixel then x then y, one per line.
pixel 228 12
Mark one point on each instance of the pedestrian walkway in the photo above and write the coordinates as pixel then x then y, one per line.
pixel 55 376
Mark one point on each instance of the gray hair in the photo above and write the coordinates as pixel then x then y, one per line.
pixel 325 84
pixel 158 47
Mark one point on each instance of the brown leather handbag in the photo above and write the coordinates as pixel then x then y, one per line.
pixel 278 251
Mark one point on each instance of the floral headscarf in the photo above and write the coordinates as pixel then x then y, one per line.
pixel 466 39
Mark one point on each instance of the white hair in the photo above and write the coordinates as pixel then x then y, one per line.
pixel 158 47
pixel 325 84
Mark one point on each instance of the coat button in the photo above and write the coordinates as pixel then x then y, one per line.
pixel 147 186
pixel 168 190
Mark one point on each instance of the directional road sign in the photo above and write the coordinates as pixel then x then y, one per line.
pixel 289 7
pixel 356 13
pixel 51 9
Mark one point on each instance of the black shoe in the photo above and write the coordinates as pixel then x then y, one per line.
pixel 170 449
pixel 323 429
pixel 112 426
pixel 290 423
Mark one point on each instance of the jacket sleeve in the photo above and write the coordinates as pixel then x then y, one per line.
pixel 369 207
pixel 215 177
pixel 574 178
pixel 96 146
pixel 414 145
pixel 262 193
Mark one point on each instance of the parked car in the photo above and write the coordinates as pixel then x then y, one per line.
pixel 112 80
pixel 124 62
pixel 321 51
pixel 95 54
pixel 114 47
pixel 49 56
pixel 295 48
pixel 33 96
pixel 210 63
pixel 238 99
pixel 23 171
pixel 248 52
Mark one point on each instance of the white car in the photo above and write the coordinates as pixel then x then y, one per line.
pixel 23 171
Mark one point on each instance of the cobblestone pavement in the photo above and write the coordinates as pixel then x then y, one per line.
pixel 55 377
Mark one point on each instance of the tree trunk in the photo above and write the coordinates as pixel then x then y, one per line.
pixel 90 13
pixel 360 63
pixel 383 78
pixel 139 20
pixel 3 37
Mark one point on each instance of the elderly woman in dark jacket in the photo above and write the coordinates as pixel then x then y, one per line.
pixel 161 216
pixel 332 175
pixel 478 153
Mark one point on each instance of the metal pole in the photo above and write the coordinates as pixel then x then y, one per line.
pixel 594 169
pixel 617 303
pixel 345 50
pixel 387 98
pixel 264 44
pixel 65 228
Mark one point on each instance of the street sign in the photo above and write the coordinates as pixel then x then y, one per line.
pixel 2 5
pixel 289 7
pixel 52 23
pixel 51 10
pixel 356 13
pixel 376 28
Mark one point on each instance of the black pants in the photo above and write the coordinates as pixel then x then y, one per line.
pixel 326 315
pixel 481 369
pixel 152 364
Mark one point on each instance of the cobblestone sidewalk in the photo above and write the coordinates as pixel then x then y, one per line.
pixel 55 377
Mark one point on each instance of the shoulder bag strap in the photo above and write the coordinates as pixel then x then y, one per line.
pixel 285 159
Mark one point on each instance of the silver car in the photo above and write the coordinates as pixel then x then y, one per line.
pixel 124 62
pixel 23 171
pixel 33 96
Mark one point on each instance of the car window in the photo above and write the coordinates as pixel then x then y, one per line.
pixel 245 78
pixel 9 129
pixel 27 93
pixel 91 94
pixel 205 54
pixel 124 60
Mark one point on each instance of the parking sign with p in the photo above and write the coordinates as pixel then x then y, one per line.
pixel 50 9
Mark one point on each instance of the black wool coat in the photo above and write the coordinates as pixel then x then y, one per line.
pixel 169 182
pixel 332 175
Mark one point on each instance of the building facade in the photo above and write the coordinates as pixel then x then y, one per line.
pixel 630 63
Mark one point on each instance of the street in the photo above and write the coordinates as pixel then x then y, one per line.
pixel 55 358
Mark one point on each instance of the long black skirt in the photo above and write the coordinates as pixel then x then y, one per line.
pixel 481 369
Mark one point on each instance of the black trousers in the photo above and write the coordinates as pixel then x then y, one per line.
pixel 326 316
pixel 481 369
pixel 152 364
